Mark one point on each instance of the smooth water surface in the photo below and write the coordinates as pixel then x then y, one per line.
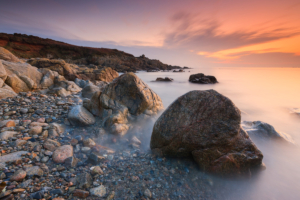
pixel 264 94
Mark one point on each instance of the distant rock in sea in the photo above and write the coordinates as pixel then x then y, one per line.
pixel 166 79
pixel 202 79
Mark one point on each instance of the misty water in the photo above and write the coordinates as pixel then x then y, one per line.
pixel 265 94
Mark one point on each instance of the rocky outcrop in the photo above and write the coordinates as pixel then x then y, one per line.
pixel 166 79
pixel 7 55
pixel 6 92
pixel 16 83
pixel 107 74
pixel 127 97
pixel 3 73
pixel 207 126
pixel 64 69
pixel 264 130
pixel 202 79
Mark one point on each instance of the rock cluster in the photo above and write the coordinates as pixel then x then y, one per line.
pixel 202 79
pixel 207 126
pixel 124 99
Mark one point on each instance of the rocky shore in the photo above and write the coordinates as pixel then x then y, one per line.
pixel 66 137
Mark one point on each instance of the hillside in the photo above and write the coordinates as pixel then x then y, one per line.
pixel 28 46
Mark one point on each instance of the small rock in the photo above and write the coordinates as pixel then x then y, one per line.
pixel 18 175
pixel 98 191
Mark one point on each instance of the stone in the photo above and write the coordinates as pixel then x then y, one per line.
pixel 11 123
pixel 7 55
pixel 3 73
pixel 71 162
pixel 84 180
pixel 62 153
pixel 56 192
pixel 94 104
pixel 4 122
pixel 79 116
pixel 166 79
pixel 19 142
pixel 96 170
pixel 89 90
pixel 202 79
pixel 23 69
pixel 98 191
pixel 147 193
pixel 51 145
pixel 1 82
pixel 7 134
pixel 206 125
pixel 34 171
pixel 81 193
pixel 36 130
pixel 37 195
pixel 107 74
pixel 25 184
pixel 18 175
pixel 89 142
pixel 29 82
pixel 6 93
pixel 264 130
pixel 60 128
pixel 16 83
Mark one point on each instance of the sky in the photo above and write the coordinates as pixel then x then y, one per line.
pixel 194 33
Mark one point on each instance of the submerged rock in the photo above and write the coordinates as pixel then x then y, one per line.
pixel 261 129
pixel 207 126
pixel 203 79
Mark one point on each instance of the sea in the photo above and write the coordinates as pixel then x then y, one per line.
pixel 262 94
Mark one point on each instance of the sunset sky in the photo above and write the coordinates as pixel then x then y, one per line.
pixel 195 33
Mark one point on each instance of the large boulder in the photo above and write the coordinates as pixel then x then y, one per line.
pixel 3 73
pixel 207 126
pixel 23 69
pixel 106 74
pixel 131 92
pixel 264 130
pixel 126 97
pixel 202 79
pixel 7 55
pixel 6 92
pixel 79 116
pixel 16 83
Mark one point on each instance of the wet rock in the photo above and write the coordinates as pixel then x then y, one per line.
pixel 7 134
pixel 18 175
pixel 166 79
pixel 206 125
pixel 81 193
pixel 34 171
pixel 79 116
pixel 56 192
pixel 12 156
pixel 84 180
pixel 202 79
pixel 36 130
pixel 98 191
pixel 89 142
pixel 11 123
pixel 25 184
pixel 71 162
pixel 62 153
pixel 20 142
pixel 51 145
pixel 264 130
pixel 96 170
pixel 37 195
